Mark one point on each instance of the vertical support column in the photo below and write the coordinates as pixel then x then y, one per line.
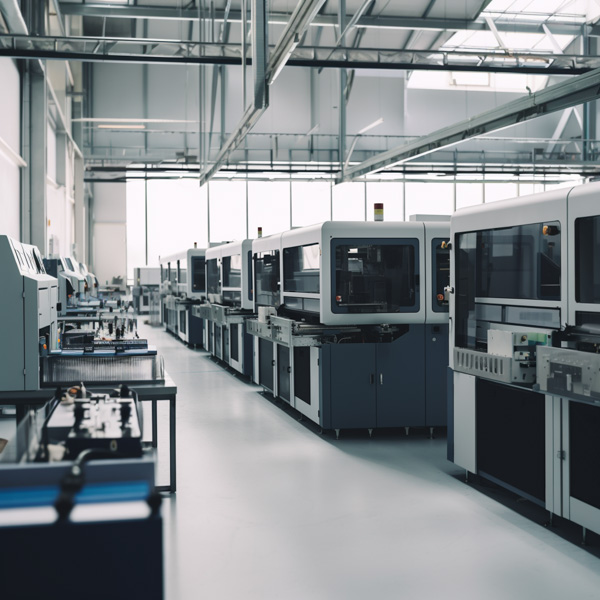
pixel 80 212
pixel 260 51
pixel 34 141
pixel 343 84
pixel 223 106
pixel 590 109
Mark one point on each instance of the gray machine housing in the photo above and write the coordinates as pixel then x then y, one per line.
pixel 229 290
pixel 146 281
pixel 182 286
pixel 28 315
pixel 71 284
pixel 524 401
pixel 346 368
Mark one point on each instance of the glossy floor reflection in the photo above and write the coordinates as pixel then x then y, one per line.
pixel 267 509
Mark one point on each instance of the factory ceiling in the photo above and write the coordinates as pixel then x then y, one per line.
pixel 349 56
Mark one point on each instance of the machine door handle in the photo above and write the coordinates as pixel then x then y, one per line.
pixel 380 378
pixel 289 369
pixel 372 378
pixel 273 363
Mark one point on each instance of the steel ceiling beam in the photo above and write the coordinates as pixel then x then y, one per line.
pixel 330 20
pixel 160 51
pixel 298 23
pixel 563 95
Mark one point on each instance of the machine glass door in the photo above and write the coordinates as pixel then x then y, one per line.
pixel 232 271
pixel 498 268
pixel 266 278
pixel 213 283
pixel 375 276
pixel 440 273
pixel 198 274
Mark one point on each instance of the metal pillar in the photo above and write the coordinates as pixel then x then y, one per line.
pixel 80 212
pixel 34 141
pixel 342 96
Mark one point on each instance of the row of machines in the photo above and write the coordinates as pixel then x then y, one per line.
pixel 229 305
pixel 78 288
pixel 345 322
pixel 182 286
pixel 524 407
pixel 48 349
pixel 75 474
pixel 146 284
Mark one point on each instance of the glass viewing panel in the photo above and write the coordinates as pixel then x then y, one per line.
pixel 172 274
pixel 182 271
pixel 379 276
pixel 249 259
pixel 266 277
pixel 212 277
pixel 520 263
pixel 198 274
pixel 440 273
pixel 232 271
pixel 301 269
pixel 587 262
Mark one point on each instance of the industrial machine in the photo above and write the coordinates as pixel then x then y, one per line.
pixel 74 478
pixel 525 308
pixel 91 283
pixel 28 314
pixel 352 323
pixel 229 291
pixel 71 284
pixel 146 281
pixel 182 285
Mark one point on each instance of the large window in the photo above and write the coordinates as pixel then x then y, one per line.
pixel 587 261
pixel 429 198
pixel 349 202
pixel 311 202
pixel 266 278
pixel 268 207
pixel 227 211
pixel 375 277
pixel 392 197
pixel 301 269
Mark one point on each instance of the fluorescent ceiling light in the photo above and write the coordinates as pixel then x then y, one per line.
pixel 371 126
pixel 120 126
pixel 109 120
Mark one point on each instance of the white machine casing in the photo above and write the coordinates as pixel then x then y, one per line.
pixel 566 380
pixel 176 267
pixel 270 245
pixel 27 314
pixel 240 253
pixel 418 233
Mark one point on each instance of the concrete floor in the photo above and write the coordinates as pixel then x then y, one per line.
pixel 268 509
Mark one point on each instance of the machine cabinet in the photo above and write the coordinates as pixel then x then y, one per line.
pixel 349 386
pixel 579 459
pixel 284 370
pixel 400 379
pixel 436 386
pixel 266 364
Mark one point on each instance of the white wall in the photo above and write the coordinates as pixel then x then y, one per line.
pixel 10 176
pixel 110 234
